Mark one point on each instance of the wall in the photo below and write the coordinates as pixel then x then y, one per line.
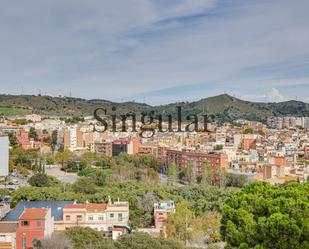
pixel 4 156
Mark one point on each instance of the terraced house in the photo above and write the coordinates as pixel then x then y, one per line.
pixel 102 217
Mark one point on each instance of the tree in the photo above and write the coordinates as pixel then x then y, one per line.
pixel 236 180
pixel 38 180
pixel 54 139
pixel 32 134
pixel 190 173
pixel 266 216
pixel 56 241
pixel 42 180
pixel 178 223
pixel 207 227
pixel 172 173
pixel 206 173
pixel 84 185
pixel 86 238
pixel 146 202
pixel 89 158
pixel 11 166
pixel 145 241
pixel 218 147
pixel 248 131
pixel 63 158
pixel 12 139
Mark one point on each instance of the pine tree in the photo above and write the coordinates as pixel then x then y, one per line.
pixel 172 173
pixel 206 173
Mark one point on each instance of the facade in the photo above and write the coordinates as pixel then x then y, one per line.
pixel 218 161
pixel 161 212
pixel 8 235
pixel 103 149
pixel 33 224
pixel 101 217
pixel 4 156
pixel 23 140
pixel 120 146
pixel 73 138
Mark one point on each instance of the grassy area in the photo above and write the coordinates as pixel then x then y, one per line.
pixel 8 111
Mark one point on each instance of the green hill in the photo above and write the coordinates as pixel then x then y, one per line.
pixel 224 106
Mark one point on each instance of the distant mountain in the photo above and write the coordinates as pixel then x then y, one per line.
pixel 224 106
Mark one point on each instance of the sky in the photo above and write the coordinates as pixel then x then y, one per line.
pixel 156 51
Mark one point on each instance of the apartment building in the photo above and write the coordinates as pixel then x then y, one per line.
pixel 103 149
pixel 73 138
pixel 218 161
pixel 4 156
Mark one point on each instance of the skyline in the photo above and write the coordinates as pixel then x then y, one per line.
pixel 156 52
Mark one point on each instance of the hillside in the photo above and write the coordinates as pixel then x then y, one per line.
pixel 224 106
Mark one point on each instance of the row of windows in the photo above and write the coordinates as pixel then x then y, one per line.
pixel 90 218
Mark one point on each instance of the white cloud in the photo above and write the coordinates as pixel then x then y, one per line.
pixel 275 96
pixel 113 49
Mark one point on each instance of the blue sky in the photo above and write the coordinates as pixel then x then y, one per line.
pixel 158 51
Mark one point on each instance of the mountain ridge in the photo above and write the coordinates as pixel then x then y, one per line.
pixel 224 106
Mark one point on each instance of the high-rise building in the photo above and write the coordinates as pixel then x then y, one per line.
pixel 4 156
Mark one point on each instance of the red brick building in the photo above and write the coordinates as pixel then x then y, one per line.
pixel 218 161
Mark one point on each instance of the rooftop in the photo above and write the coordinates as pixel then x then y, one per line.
pixel 55 206
pixel 34 214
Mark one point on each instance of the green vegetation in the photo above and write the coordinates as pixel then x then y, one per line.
pixel 9 111
pixel 42 180
pixel 248 131
pixel 217 105
pixel 32 134
pixel 263 216
pixel 200 199
pixel 73 120
pixel 218 147
pixel 87 238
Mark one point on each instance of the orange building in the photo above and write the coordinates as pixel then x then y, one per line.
pixel 22 138
pixel 249 143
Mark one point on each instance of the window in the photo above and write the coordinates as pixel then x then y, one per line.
pixel 23 242
pixel 25 223
pixel 101 217
pixel 2 238
pixel 38 223
pixel 111 215
pixel 119 217
pixel 67 217
pixel 79 218
pixel 90 218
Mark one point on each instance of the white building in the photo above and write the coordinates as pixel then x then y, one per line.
pixel 4 156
